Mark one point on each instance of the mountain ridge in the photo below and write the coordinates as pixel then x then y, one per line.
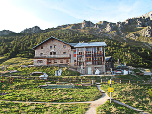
pixel 141 21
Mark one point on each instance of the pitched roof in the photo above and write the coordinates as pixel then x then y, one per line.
pixel 89 44
pixel 73 44
pixel 48 40
pixel 108 58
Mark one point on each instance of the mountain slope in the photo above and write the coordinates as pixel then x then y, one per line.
pixel 126 41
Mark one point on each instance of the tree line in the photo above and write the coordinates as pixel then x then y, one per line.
pixel 20 45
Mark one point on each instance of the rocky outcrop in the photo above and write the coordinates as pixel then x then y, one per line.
pixel 141 25
pixel 76 26
pixel 110 27
pixel 87 24
pixel 146 32
pixel 34 29
pixel 5 32
pixel 133 36
pixel 149 14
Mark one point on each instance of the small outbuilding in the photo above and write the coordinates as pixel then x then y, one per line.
pixel 109 62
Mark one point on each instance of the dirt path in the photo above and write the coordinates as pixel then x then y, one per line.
pixel 97 103
pixel 48 102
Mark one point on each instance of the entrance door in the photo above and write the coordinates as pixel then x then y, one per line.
pixel 89 70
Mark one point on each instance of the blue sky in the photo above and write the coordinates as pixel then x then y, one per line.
pixel 17 15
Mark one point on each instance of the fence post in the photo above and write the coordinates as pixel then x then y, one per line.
pixel 92 82
pixel 101 80
pixel 120 81
pixel 129 81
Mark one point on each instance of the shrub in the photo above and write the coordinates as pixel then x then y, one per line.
pixel 150 92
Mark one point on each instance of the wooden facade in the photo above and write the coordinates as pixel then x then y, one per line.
pixel 90 57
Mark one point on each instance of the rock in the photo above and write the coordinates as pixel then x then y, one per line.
pixel 87 24
pixel 146 32
pixel 96 26
pixel 5 32
pixel 109 27
pixel 34 29
pixel 76 26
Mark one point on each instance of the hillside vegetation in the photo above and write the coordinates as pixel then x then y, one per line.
pixel 20 45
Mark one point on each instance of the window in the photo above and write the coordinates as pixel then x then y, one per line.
pixel 55 61
pixel 67 61
pixel 64 46
pixel 49 61
pixel 80 53
pixel 54 46
pixel 89 49
pixel 88 58
pixel 50 47
pixel 41 54
pixel 39 61
pixel 61 61
pixel 41 47
pixel 94 49
pixel 75 62
pixel 54 53
pixel 50 53
pixel 100 49
pixel 64 52
pixel 97 48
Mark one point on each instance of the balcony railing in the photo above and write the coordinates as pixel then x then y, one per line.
pixel 53 56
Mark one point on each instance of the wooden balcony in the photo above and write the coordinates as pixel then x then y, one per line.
pixel 54 56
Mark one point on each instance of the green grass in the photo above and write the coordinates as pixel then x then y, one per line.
pixel 26 90
pixel 16 61
pixel 133 95
pixel 2 59
pixel 17 108
pixel 114 108
pixel 26 71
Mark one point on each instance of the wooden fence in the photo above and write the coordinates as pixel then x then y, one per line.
pixel 79 80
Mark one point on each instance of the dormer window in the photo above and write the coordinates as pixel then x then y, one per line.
pixel 41 47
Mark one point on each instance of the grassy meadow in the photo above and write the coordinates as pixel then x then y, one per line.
pixel 21 108
pixel 134 95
